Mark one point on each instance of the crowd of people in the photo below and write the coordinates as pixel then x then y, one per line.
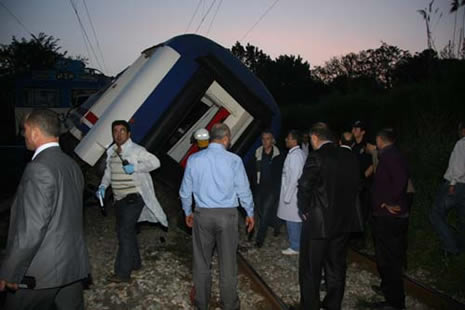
pixel 326 189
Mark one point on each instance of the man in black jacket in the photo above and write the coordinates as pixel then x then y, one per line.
pixel 327 201
pixel 266 185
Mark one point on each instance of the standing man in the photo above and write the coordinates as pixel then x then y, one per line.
pixel 266 185
pixel 217 179
pixel 128 172
pixel 305 146
pixel 346 140
pixel 451 195
pixel 366 171
pixel 46 238
pixel 287 209
pixel 327 201
pixel 390 219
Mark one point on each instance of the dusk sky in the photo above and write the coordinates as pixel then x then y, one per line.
pixel 315 29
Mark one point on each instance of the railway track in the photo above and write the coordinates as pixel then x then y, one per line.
pixel 428 296
pixel 260 285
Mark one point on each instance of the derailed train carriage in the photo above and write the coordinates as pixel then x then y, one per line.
pixel 171 90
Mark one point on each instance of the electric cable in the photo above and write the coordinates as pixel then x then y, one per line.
pixel 193 15
pixel 85 34
pixel 16 18
pixel 204 16
pixel 214 16
pixel 95 34
pixel 259 20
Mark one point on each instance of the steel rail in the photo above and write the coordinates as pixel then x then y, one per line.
pixel 429 296
pixel 263 288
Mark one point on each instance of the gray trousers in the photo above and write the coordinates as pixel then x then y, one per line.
pixel 68 297
pixel 217 226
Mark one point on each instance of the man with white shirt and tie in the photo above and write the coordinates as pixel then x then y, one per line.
pixel 46 237
pixel 218 181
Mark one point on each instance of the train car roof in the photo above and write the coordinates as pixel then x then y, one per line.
pixel 195 46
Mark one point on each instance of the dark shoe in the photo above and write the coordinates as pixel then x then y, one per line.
pixel 258 244
pixel 115 279
pixel 377 289
pixel 383 305
pixel 276 233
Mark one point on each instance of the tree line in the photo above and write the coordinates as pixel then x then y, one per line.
pixel 291 80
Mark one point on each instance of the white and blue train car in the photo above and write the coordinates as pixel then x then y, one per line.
pixel 171 90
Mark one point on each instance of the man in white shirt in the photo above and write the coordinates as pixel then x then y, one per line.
pixel 451 195
pixel 287 209
pixel 128 170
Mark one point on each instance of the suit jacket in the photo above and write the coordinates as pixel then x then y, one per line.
pixel 46 238
pixel 328 191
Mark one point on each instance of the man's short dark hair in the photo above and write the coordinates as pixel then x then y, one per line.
pixel 267 131
pixel 45 119
pixel 387 135
pixel 296 135
pixel 345 141
pixel 219 131
pixel 121 123
pixel 359 124
pixel 322 131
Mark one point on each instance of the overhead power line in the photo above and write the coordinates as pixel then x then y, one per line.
pixel 193 15
pixel 214 16
pixel 259 20
pixel 95 34
pixel 204 16
pixel 16 18
pixel 85 35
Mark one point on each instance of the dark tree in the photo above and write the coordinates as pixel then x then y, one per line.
pixel 368 69
pixel 39 53
pixel 253 58
pixel 287 77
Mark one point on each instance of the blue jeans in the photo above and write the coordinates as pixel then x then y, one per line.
pixel 293 230
pixel 265 204
pixel 452 241
pixel 127 213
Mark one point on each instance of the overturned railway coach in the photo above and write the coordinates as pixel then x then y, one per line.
pixel 171 90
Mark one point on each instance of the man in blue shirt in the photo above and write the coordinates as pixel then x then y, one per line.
pixel 218 181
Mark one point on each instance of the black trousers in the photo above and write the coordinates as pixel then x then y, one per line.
pixel 390 237
pixel 68 297
pixel 127 213
pixel 316 254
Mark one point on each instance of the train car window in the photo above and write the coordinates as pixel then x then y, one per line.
pixel 36 97
pixel 199 109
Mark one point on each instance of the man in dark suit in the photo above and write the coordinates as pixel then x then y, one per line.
pixel 327 201
pixel 46 238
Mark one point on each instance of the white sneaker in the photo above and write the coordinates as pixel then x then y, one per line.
pixel 289 251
